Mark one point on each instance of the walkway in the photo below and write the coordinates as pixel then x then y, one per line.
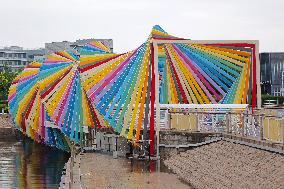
pixel 102 171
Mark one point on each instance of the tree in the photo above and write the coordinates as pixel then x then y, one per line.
pixel 6 78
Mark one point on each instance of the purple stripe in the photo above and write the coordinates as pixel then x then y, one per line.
pixel 196 77
pixel 100 85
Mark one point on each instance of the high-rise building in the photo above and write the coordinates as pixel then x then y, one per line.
pixel 272 73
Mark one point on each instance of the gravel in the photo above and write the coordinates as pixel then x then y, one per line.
pixel 228 165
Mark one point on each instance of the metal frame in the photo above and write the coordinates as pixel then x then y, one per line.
pixel 254 44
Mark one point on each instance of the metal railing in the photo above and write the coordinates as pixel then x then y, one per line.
pixel 258 125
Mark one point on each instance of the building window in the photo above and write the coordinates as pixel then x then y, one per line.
pixel 24 56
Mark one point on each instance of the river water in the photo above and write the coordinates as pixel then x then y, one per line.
pixel 26 164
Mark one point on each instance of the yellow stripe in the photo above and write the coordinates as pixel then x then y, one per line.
pixel 191 80
pixel 184 81
pixel 140 82
pixel 220 55
pixel 133 99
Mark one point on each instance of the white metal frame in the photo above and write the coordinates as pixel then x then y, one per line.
pixel 155 46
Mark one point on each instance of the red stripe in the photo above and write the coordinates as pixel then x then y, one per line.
pixel 152 102
pixel 64 101
pixel 23 124
pixel 253 88
pixel 31 105
pixel 81 70
pixel 234 44
pixel 198 74
pixel 53 86
pixel 42 121
pixel 64 56
pixel 93 113
pixel 178 81
pixel 97 121
pixel 29 66
pixel 168 38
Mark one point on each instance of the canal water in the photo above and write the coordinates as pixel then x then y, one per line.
pixel 29 165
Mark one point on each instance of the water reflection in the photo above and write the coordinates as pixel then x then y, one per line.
pixel 27 164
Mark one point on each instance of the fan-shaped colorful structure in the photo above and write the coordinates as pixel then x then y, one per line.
pixel 96 87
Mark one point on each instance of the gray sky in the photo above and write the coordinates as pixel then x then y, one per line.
pixel 31 23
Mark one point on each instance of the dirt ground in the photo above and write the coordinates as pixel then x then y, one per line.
pixel 102 171
pixel 5 122
pixel 227 165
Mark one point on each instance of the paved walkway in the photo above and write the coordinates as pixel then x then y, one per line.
pixel 102 171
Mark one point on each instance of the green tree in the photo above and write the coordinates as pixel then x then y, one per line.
pixel 6 78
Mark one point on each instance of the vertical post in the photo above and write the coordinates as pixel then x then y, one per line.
pixel 243 123
pixel 227 122
pixel 197 121
pixel 262 126
pixel 253 81
pixel 157 92
pixel 72 164
pixel 257 75
pixel 167 119
pixel 230 125
pixel 152 103
pixel 170 120
pixel 268 128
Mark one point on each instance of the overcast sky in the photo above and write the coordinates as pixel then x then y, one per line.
pixel 31 23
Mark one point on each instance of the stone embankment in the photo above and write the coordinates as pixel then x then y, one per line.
pixel 71 177
pixel 6 127
pixel 228 165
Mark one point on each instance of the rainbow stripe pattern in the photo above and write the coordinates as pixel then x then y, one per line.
pixel 97 88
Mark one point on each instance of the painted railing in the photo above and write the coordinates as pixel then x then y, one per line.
pixel 259 125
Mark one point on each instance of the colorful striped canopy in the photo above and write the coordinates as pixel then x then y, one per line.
pixel 96 87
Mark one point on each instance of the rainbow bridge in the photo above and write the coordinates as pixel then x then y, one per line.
pixel 56 99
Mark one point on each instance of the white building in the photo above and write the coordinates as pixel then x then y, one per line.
pixel 13 57
pixel 16 58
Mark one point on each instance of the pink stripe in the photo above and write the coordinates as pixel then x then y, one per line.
pixel 109 77
pixel 102 93
pixel 56 61
pixel 62 99
pixel 11 97
pixel 26 78
pixel 195 76
pixel 42 121
pixel 63 110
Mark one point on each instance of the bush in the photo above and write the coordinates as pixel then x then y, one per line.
pixel 279 99
pixel 6 78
